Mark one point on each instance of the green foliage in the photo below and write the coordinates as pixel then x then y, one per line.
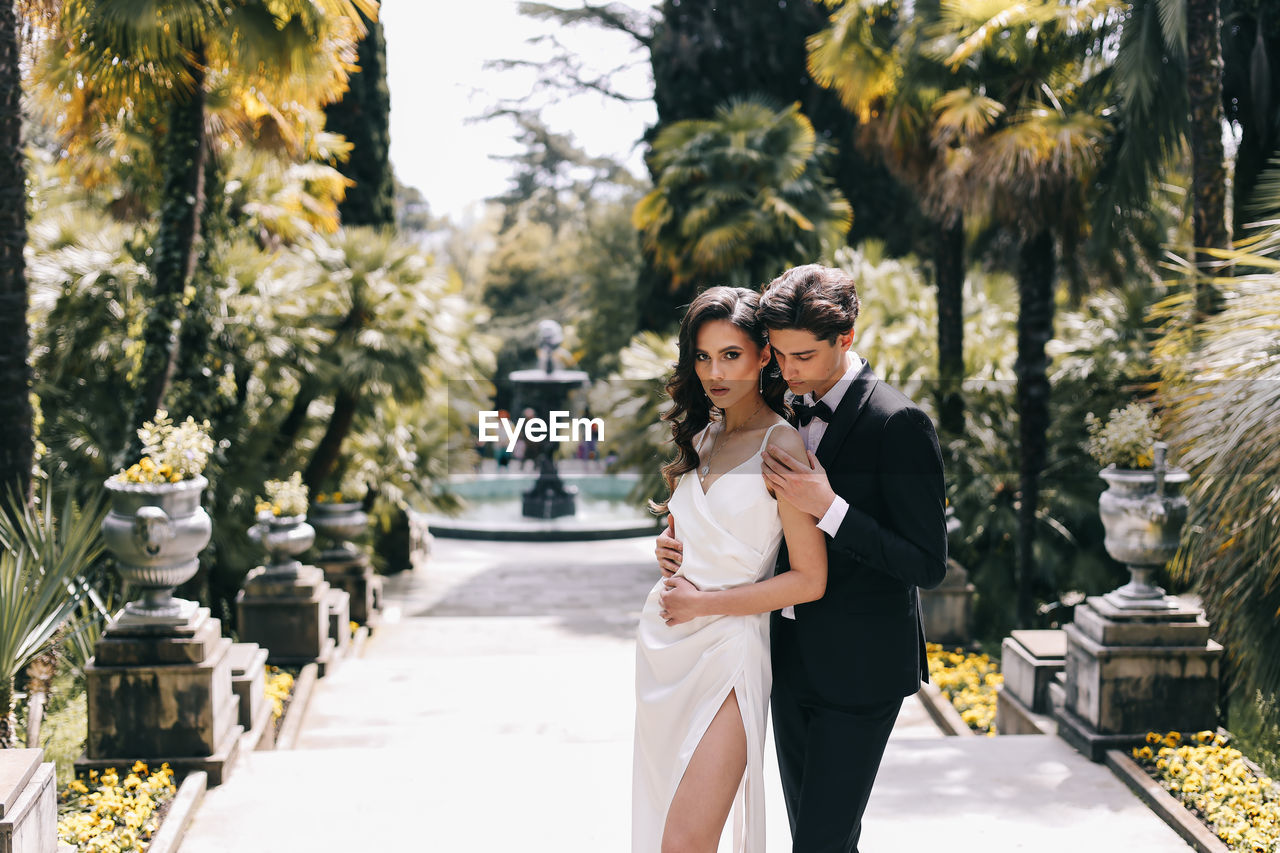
pixel 605 273
pixel 897 323
pixel 633 399
pixel 739 197
pixel 1220 391
pixel 66 721
pixel 89 285
pixel 283 330
pixel 65 731
pixel 104 69
pixel 704 53
pixel 553 180
pixel 45 555
pixel 562 247
pixel 527 273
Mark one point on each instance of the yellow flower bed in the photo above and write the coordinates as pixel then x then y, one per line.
pixel 279 688
pixel 969 681
pixel 110 815
pixel 1213 780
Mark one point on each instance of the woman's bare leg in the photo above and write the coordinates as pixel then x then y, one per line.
pixel 705 794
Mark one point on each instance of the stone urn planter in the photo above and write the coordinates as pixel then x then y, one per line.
pixel 283 538
pixel 155 531
pixel 1143 512
pixel 337 524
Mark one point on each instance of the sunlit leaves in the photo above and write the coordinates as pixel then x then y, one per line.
pixel 740 196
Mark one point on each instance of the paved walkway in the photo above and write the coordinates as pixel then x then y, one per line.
pixel 495 715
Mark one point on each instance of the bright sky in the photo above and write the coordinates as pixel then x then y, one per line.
pixel 435 56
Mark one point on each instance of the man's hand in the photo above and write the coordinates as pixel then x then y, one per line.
pixel 679 601
pixel 669 550
pixel 803 486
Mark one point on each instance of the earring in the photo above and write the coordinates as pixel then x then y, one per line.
pixel 762 370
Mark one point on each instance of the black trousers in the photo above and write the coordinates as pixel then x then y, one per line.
pixel 828 755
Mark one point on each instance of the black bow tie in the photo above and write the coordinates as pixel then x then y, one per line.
pixel 807 413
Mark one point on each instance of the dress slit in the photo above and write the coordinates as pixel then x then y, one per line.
pixel 701 728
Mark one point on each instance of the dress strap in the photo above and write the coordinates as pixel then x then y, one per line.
pixel 767 433
pixel 702 439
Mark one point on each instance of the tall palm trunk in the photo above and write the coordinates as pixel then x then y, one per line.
pixel 292 424
pixel 1208 159
pixel 175 255
pixel 1035 327
pixel 325 458
pixel 949 268
pixel 16 441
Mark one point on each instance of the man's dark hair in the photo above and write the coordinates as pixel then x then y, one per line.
pixel 820 300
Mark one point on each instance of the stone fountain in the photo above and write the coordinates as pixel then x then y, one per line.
pixel 572 505
pixel 543 390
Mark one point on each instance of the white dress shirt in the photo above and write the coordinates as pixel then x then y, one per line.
pixel 812 434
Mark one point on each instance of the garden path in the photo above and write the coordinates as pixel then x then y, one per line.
pixel 492 713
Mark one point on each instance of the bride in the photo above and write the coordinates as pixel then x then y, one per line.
pixel 702 647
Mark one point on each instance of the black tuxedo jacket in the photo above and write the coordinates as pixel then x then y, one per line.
pixel 863 641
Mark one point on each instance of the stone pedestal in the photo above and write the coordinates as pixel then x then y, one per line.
pixel 28 802
pixel 948 608
pixel 352 571
pixel 338 605
pixel 1130 670
pixel 162 693
pixel 1029 661
pixel 249 683
pixel 287 614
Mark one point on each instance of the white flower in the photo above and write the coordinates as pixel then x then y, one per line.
pixel 1127 438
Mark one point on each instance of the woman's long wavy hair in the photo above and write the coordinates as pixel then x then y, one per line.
pixel 692 409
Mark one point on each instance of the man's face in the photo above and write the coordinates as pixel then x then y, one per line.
pixel 808 364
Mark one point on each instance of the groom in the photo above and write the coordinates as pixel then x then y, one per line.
pixel 843 664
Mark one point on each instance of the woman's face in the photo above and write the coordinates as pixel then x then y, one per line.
pixel 728 362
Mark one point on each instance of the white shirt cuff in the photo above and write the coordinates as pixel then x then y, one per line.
pixel 831 521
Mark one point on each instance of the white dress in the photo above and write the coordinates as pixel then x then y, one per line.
pixel 731 534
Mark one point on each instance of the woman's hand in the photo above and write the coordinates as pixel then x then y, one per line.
pixel 680 601
pixel 669 550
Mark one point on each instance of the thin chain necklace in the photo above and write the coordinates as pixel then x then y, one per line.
pixel 723 439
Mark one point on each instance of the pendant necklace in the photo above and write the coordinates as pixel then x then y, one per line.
pixel 724 437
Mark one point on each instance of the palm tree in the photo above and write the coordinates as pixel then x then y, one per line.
pixel 1170 68
pixel 381 315
pixel 871 56
pixel 43 560
pixel 1220 390
pixel 167 62
pixel 739 197
pixel 16 442
pixel 1034 133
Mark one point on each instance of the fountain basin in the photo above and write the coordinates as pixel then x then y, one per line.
pixel 492 504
